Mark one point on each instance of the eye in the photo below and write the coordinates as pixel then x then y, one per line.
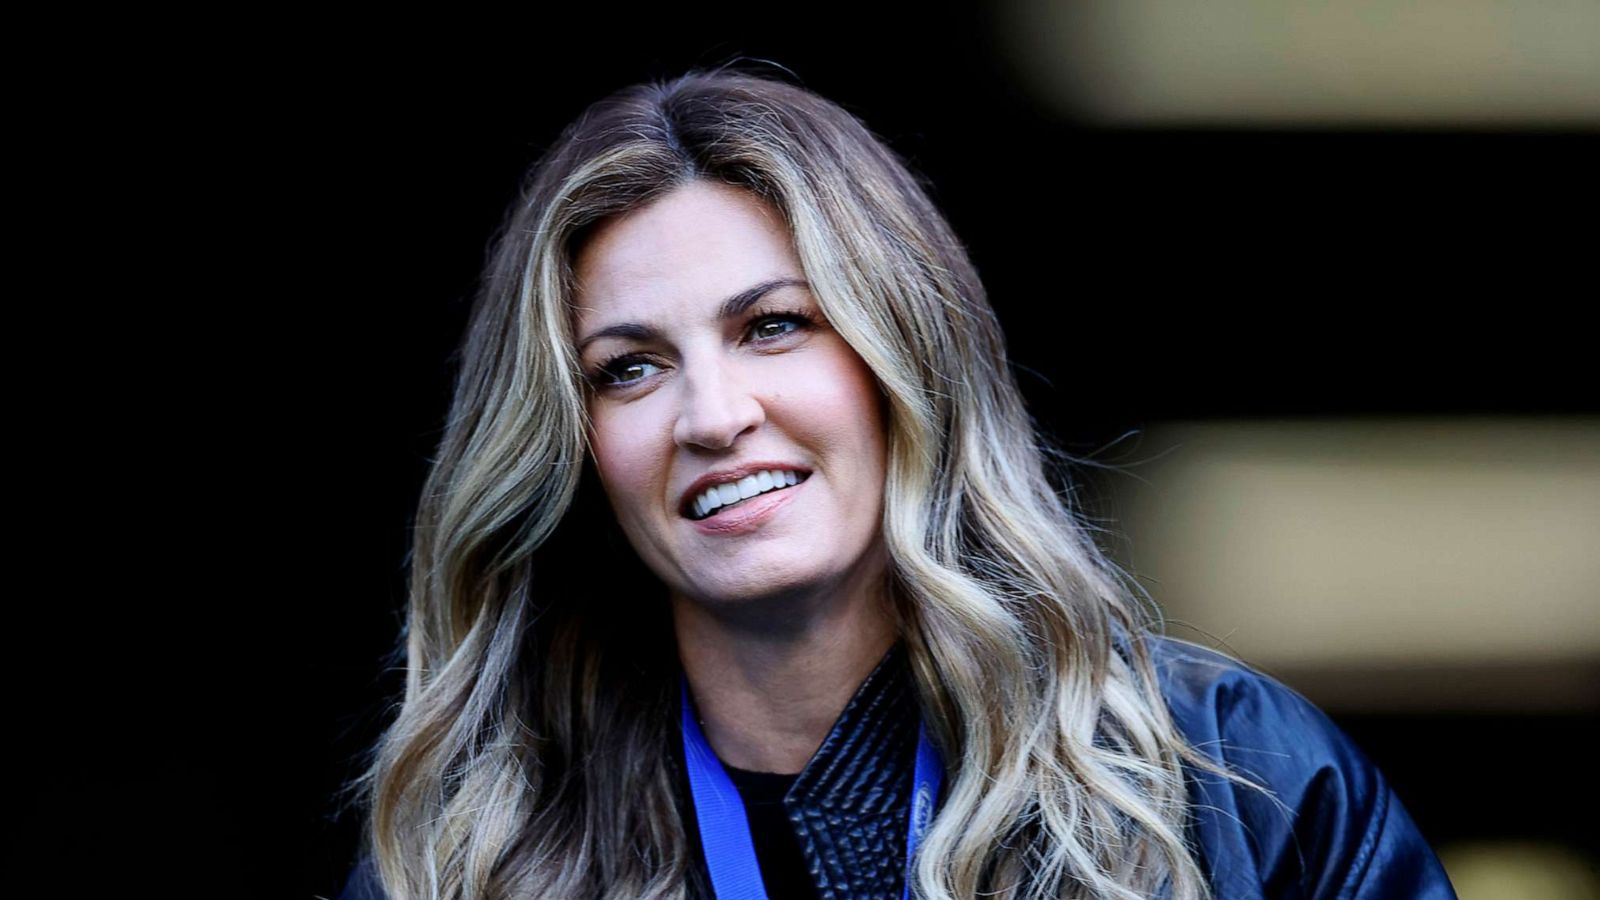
pixel 777 325
pixel 623 371
pixel 773 328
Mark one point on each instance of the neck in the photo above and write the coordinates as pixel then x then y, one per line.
pixel 767 696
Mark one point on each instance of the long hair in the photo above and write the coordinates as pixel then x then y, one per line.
pixel 528 757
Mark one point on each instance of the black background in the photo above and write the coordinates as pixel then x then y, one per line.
pixel 260 236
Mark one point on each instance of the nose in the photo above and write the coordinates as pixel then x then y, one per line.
pixel 716 408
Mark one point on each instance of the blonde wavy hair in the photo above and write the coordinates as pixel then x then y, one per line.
pixel 529 757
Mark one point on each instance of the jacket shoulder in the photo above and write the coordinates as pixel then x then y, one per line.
pixel 1324 821
pixel 363 882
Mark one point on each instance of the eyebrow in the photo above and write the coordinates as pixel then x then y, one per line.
pixel 731 308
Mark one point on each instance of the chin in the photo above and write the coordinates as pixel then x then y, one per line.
pixel 755 592
pixel 737 593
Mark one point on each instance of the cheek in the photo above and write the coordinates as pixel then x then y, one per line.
pixel 626 461
pixel 849 408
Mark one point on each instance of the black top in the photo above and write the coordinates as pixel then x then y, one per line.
pixel 783 865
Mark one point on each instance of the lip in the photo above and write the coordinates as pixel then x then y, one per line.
pixel 723 476
pixel 749 515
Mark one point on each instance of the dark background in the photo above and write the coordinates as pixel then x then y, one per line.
pixel 290 212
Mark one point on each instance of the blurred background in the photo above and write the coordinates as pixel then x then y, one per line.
pixel 1300 285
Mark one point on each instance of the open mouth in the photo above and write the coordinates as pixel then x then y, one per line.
pixel 724 497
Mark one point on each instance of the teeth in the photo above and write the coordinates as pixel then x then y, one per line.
pixel 726 494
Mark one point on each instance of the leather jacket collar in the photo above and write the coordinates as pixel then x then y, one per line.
pixel 850 806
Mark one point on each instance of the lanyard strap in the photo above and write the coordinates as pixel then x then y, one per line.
pixel 725 832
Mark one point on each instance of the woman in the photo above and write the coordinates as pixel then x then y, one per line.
pixel 740 570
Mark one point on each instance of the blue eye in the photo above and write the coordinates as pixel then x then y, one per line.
pixel 766 329
pixel 773 326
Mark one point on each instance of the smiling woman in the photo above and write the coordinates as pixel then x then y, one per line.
pixel 740 573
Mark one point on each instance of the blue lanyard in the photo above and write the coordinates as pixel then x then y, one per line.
pixel 725 832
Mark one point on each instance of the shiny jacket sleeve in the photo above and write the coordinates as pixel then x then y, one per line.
pixel 1331 826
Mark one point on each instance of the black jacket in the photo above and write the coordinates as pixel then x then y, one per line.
pixel 1333 829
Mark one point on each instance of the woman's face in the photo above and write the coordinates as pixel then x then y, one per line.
pixel 714 372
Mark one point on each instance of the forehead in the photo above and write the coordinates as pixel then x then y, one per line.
pixel 690 248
